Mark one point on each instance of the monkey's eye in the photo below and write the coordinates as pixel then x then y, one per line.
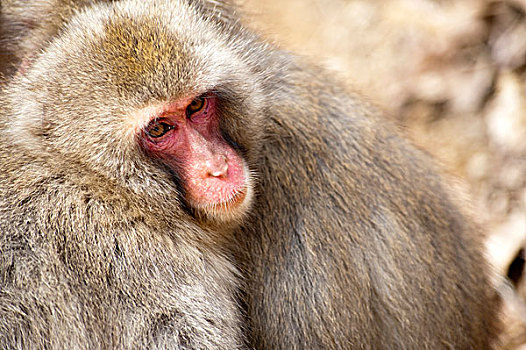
pixel 158 128
pixel 196 105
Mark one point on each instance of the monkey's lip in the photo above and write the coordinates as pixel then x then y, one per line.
pixel 226 206
pixel 229 205
pixel 235 200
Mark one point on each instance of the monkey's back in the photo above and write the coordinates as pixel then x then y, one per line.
pixel 357 241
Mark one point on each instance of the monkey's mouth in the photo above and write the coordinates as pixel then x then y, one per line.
pixel 231 203
pixel 225 210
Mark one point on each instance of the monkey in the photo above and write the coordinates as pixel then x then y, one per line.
pixel 101 136
pixel 345 235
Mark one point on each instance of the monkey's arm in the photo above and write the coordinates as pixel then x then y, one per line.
pixel 36 301
pixel 70 281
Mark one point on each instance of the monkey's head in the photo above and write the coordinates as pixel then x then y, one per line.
pixel 157 95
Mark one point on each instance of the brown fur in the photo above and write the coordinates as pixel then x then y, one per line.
pixel 353 241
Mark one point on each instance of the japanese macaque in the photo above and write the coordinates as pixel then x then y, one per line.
pixel 141 139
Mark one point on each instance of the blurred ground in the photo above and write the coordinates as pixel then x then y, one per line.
pixel 452 71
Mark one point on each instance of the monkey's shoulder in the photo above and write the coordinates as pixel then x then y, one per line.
pixel 333 150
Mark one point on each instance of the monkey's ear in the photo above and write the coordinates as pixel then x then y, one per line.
pixel 27 26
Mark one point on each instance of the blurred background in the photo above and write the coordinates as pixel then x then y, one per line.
pixel 451 72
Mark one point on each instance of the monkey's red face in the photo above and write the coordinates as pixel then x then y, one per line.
pixel 186 136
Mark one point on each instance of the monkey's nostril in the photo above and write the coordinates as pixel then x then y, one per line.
pixel 217 167
pixel 219 173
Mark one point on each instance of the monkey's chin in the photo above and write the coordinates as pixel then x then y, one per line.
pixel 230 211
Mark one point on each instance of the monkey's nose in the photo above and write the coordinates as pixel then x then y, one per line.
pixel 217 166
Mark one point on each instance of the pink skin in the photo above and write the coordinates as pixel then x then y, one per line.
pixel 212 172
